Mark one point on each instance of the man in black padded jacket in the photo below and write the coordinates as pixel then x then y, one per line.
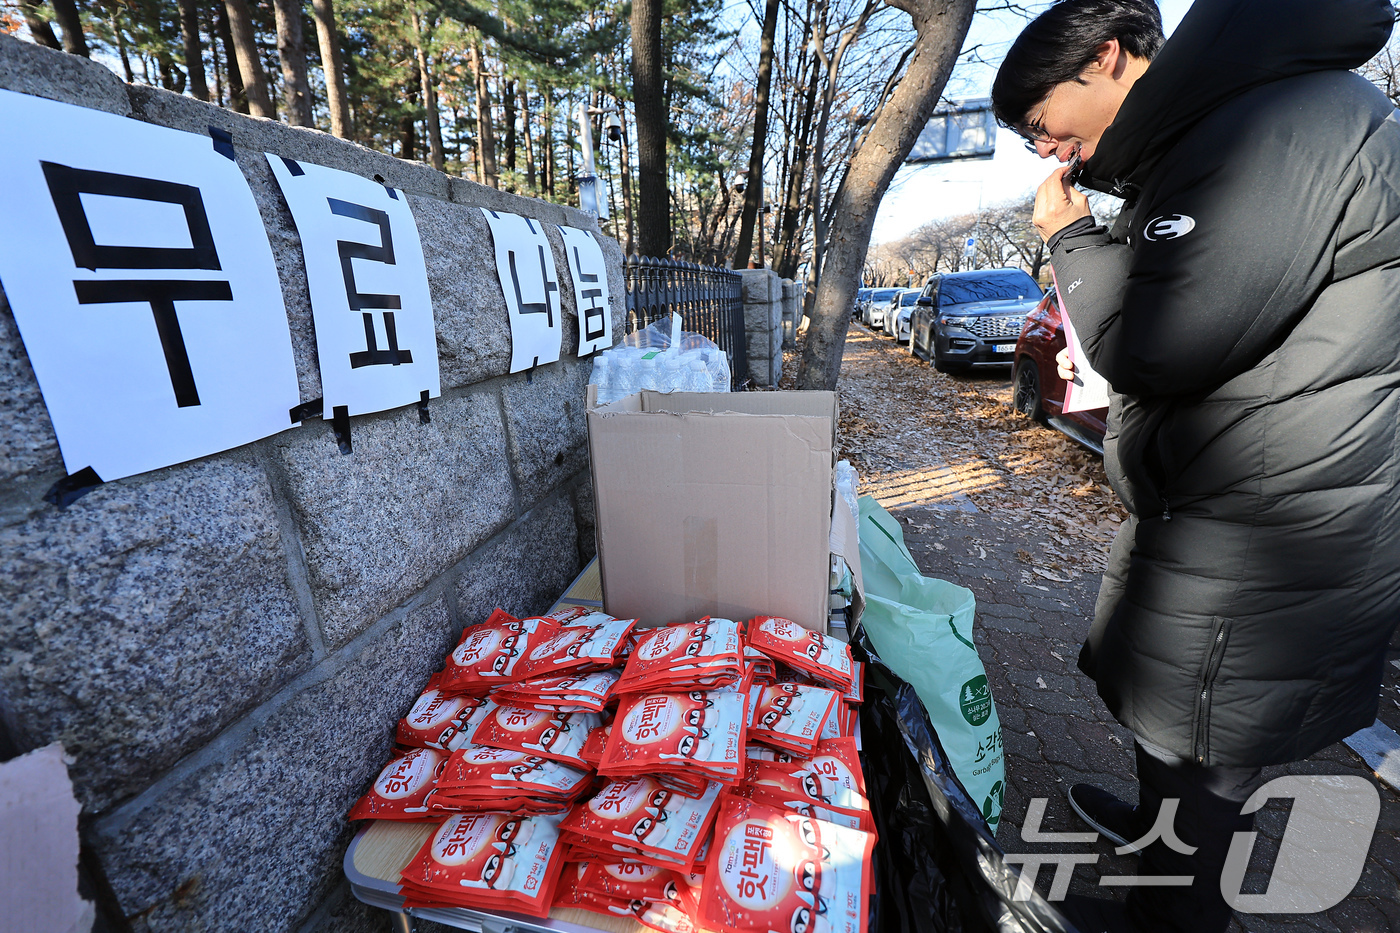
pixel 1245 309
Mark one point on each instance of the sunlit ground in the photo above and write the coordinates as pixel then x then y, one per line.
pixel 902 488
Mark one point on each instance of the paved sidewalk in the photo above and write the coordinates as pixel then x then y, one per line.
pixel 1035 585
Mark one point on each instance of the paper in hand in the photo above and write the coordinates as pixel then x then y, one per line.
pixel 1088 390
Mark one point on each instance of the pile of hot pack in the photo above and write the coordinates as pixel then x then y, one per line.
pixel 698 776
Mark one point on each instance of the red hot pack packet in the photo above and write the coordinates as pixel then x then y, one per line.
pixel 577 646
pixel 589 692
pixel 702 654
pixel 776 871
pixel 546 733
pixel 699 730
pixel 436 717
pixel 489 653
pixel 642 815
pixel 823 657
pixel 488 860
pixel 791 716
pixel 483 769
pixel 402 789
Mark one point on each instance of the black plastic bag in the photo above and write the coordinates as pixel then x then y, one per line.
pixel 938 867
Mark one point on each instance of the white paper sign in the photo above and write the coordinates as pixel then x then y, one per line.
pixel 590 277
pixel 144 288
pixel 1088 390
pixel 375 337
pixel 525 265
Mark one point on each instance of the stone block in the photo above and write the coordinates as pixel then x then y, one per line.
pixel 255 839
pixel 469 308
pixel 27 441
pixel 410 501
pixel 761 286
pixel 545 424
pixel 144 618
pixel 526 567
pixel 466 192
pixel 27 68
pixel 255 135
pixel 586 515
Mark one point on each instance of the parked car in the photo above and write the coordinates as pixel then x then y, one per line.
pixel 892 308
pixel 1039 391
pixel 967 319
pixel 874 315
pixel 898 316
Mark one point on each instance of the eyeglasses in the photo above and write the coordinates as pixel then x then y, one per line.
pixel 1033 131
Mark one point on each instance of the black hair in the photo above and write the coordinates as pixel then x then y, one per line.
pixel 1061 42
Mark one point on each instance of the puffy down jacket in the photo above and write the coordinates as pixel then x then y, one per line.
pixel 1246 311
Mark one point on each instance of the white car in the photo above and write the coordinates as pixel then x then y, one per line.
pixel 898 317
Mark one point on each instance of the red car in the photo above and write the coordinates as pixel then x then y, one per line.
pixel 1039 390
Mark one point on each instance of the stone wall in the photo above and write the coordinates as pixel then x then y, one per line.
pixel 224 646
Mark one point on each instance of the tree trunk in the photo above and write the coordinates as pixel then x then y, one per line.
pixel 654 209
pixel 941 26
pixel 337 102
pixel 814 197
pixel 627 205
pixel 66 12
pixel 39 27
pixel 547 171
pixel 530 179
pixel 786 253
pixel 121 44
pixel 194 49
pixel 511 141
pixel 753 186
pixel 430 101
pixel 485 130
pixel 245 46
pixel 291 51
pixel 408 124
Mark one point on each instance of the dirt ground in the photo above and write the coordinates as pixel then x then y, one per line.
pixel 1023 517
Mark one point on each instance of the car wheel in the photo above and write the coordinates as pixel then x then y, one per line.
pixel 944 366
pixel 1027 389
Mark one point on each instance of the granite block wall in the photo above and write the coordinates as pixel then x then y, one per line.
pixel 763 325
pixel 224 646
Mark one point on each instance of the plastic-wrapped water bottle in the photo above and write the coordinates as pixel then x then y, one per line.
pixel 602 378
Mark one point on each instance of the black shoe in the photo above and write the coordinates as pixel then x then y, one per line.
pixel 1115 820
pixel 1094 915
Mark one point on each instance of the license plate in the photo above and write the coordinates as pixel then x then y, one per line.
pixel 1004 348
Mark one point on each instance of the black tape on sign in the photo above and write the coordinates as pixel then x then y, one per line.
pixel 938 868
pixel 312 409
pixel 73 487
pixel 223 143
pixel 424 416
pixel 340 424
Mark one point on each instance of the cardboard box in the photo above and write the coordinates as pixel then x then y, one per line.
pixel 714 504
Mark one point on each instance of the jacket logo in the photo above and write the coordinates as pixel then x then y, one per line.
pixel 1169 227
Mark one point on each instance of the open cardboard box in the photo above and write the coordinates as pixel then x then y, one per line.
pixel 716 504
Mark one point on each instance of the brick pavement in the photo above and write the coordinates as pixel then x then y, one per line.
pixel 1029 628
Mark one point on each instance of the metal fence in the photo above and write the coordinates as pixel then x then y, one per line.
pixel 709 299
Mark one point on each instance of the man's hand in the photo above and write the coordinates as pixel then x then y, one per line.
pixel 1063 367
pixel 1058 204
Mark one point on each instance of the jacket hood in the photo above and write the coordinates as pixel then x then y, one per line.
pixel 1222 49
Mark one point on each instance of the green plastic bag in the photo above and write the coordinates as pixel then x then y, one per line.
pixel 922 629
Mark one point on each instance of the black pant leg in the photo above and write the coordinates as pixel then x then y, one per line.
pixel 1208 816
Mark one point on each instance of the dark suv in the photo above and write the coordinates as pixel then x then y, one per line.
pixel 967 319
